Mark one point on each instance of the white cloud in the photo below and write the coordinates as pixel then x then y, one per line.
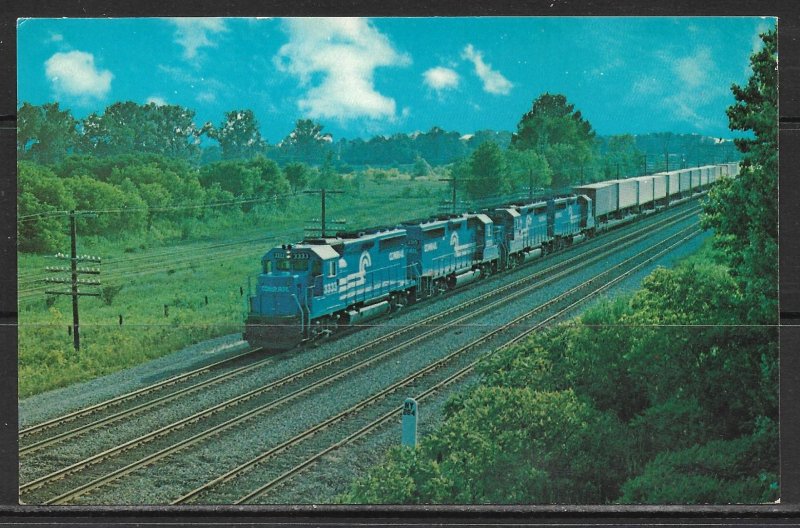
pixel 689 87
pixel 194 33
pixel 206 97
pixel 336 59
pixel 74 74
pixel 694 70
pixel 205 88
pixel 646 85
pixel 493 81
pixel 156 100
pixel 56 37
pixel 441 78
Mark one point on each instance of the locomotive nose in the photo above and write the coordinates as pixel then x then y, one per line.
pixel 279 295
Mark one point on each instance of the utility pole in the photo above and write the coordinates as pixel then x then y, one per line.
pixel 323 194
pixel 666 161
pixel 74 281
pixel 453 201
pixel 644 173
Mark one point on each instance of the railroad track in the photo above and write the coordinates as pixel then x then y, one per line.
pixel 132 395
pixel 449 379
pixel 36 430
pixel 237 420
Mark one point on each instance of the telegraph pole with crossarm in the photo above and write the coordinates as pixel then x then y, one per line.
pixel 73 279
pixel 323 195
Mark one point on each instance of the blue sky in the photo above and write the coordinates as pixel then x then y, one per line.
pixel 362 77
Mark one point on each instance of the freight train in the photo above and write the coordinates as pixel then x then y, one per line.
pixel 308 290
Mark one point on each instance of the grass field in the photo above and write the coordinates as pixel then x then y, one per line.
pixel 141 275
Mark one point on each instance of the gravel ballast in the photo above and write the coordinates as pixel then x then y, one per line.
pixel 165 481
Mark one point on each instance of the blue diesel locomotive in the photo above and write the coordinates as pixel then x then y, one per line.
pixel 308 290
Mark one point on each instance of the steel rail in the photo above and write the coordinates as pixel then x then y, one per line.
pixel 235 421
pixel 328 422
pixel 83 412
pixel 441 384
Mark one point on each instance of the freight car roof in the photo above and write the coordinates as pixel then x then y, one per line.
pixel 598 185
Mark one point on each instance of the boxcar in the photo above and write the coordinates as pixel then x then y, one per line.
pixel 645 190
pixel 604 196
pixel 628 194
pixel 673 184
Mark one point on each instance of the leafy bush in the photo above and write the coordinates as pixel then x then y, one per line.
pixel 107 293
pixel 658 397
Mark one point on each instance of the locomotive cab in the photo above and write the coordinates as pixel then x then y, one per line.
pixel 279 311
pixel 308 290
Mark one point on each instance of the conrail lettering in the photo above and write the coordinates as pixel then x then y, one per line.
pixel 275 289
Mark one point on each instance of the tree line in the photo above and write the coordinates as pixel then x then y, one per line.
pixel 668 396
pixel 47 134
pixel 552 129
pixel 152 159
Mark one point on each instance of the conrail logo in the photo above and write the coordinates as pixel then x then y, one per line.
pixel 275 289
pixel 358 278
pixel 459 250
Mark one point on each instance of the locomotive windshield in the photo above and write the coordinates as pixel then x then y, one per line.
pixel 299 265
pixel 284 264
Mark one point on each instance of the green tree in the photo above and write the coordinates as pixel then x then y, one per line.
pixel 409 476
pixel 621 157
pixel 126 128
pixel 527 168
pixel 119 211
pixel 421 168
pixel 555 130
pixel 257 178
pixel 744 211
pixel 307 142
pixel 238 135
pixel 508 445
pixel 41 195
pixel 488 174
pixel 327 176
pixel 742 470
pixel 297 174
pixel 46 134
pixel 439 146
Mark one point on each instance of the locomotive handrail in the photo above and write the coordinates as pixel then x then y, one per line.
pixel 300 308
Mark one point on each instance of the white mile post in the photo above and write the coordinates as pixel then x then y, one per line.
pixel 410 422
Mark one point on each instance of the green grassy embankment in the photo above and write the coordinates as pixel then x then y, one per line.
pixel 140 275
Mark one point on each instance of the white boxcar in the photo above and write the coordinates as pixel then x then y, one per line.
pixel 705 174
pixel 713 174
pixel 628 193
pixel 673 183
pixel 733 169
pixel 696 178
pixel 604 196
pixel 685 180
pixel 646 189
pixel 660 186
